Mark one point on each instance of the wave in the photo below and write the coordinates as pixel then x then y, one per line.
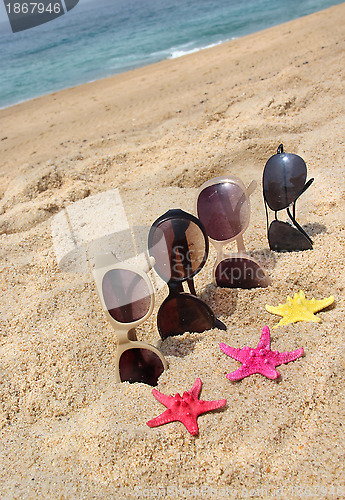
pixel 131 61
pixel 176 52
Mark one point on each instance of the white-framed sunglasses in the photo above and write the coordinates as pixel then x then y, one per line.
pixel 127 298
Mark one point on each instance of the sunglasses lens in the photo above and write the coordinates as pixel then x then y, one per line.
pixel 224 210
pixel 179 248
pixel 126 295
pixel 184 313
pixel 283 180
pixel 283 237
pixel 140 365
pixel 239 272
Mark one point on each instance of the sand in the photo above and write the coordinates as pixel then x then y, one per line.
pixel 68 431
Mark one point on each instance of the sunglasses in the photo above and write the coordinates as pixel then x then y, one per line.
pixel 284 180
pixel 178 242
pixel 223 207
pixel 127 298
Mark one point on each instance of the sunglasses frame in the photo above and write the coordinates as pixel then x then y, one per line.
pixel 125 332
pixel 292 216
pixel 175 285
pixel 220 244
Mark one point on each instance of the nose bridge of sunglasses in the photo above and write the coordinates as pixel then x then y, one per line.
pixel 240 244
pixel 222 254
pixel 125 335
pixel 219 247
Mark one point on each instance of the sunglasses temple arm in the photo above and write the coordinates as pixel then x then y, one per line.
pixel 267 219
pixel 307 184
pixel 305 187
pixel 298 226
pixel 293 215
pixel 251 188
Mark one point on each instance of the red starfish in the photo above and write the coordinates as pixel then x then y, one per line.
pixel 260 360
pixel 185 409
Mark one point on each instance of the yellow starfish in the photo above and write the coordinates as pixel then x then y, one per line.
pixel 299 309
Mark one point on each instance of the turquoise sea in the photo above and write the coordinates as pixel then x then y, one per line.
pixel 99 38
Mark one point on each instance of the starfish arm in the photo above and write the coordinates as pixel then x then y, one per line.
pixel 233 352
pixel 298 315
pixel 240 373
pixel 288 318
pixel 164 418
pixel 211 405
pixel 195 390
pixel 162 398
pixel 265 339
pixel 190 423
pixel 286 357
pixel 305 315
pixel 281 310
pixel 318 305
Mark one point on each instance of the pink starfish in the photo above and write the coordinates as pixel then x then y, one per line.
pixel 260 360
pixel 185 409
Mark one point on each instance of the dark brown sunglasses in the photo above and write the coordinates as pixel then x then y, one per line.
pixel 223 207
pixel 179 244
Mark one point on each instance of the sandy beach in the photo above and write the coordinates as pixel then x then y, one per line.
pixel 68 431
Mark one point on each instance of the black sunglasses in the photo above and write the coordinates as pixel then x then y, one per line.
pixel 284 180
pixel 179 244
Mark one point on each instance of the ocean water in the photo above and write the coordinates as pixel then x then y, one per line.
pixel 99 38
